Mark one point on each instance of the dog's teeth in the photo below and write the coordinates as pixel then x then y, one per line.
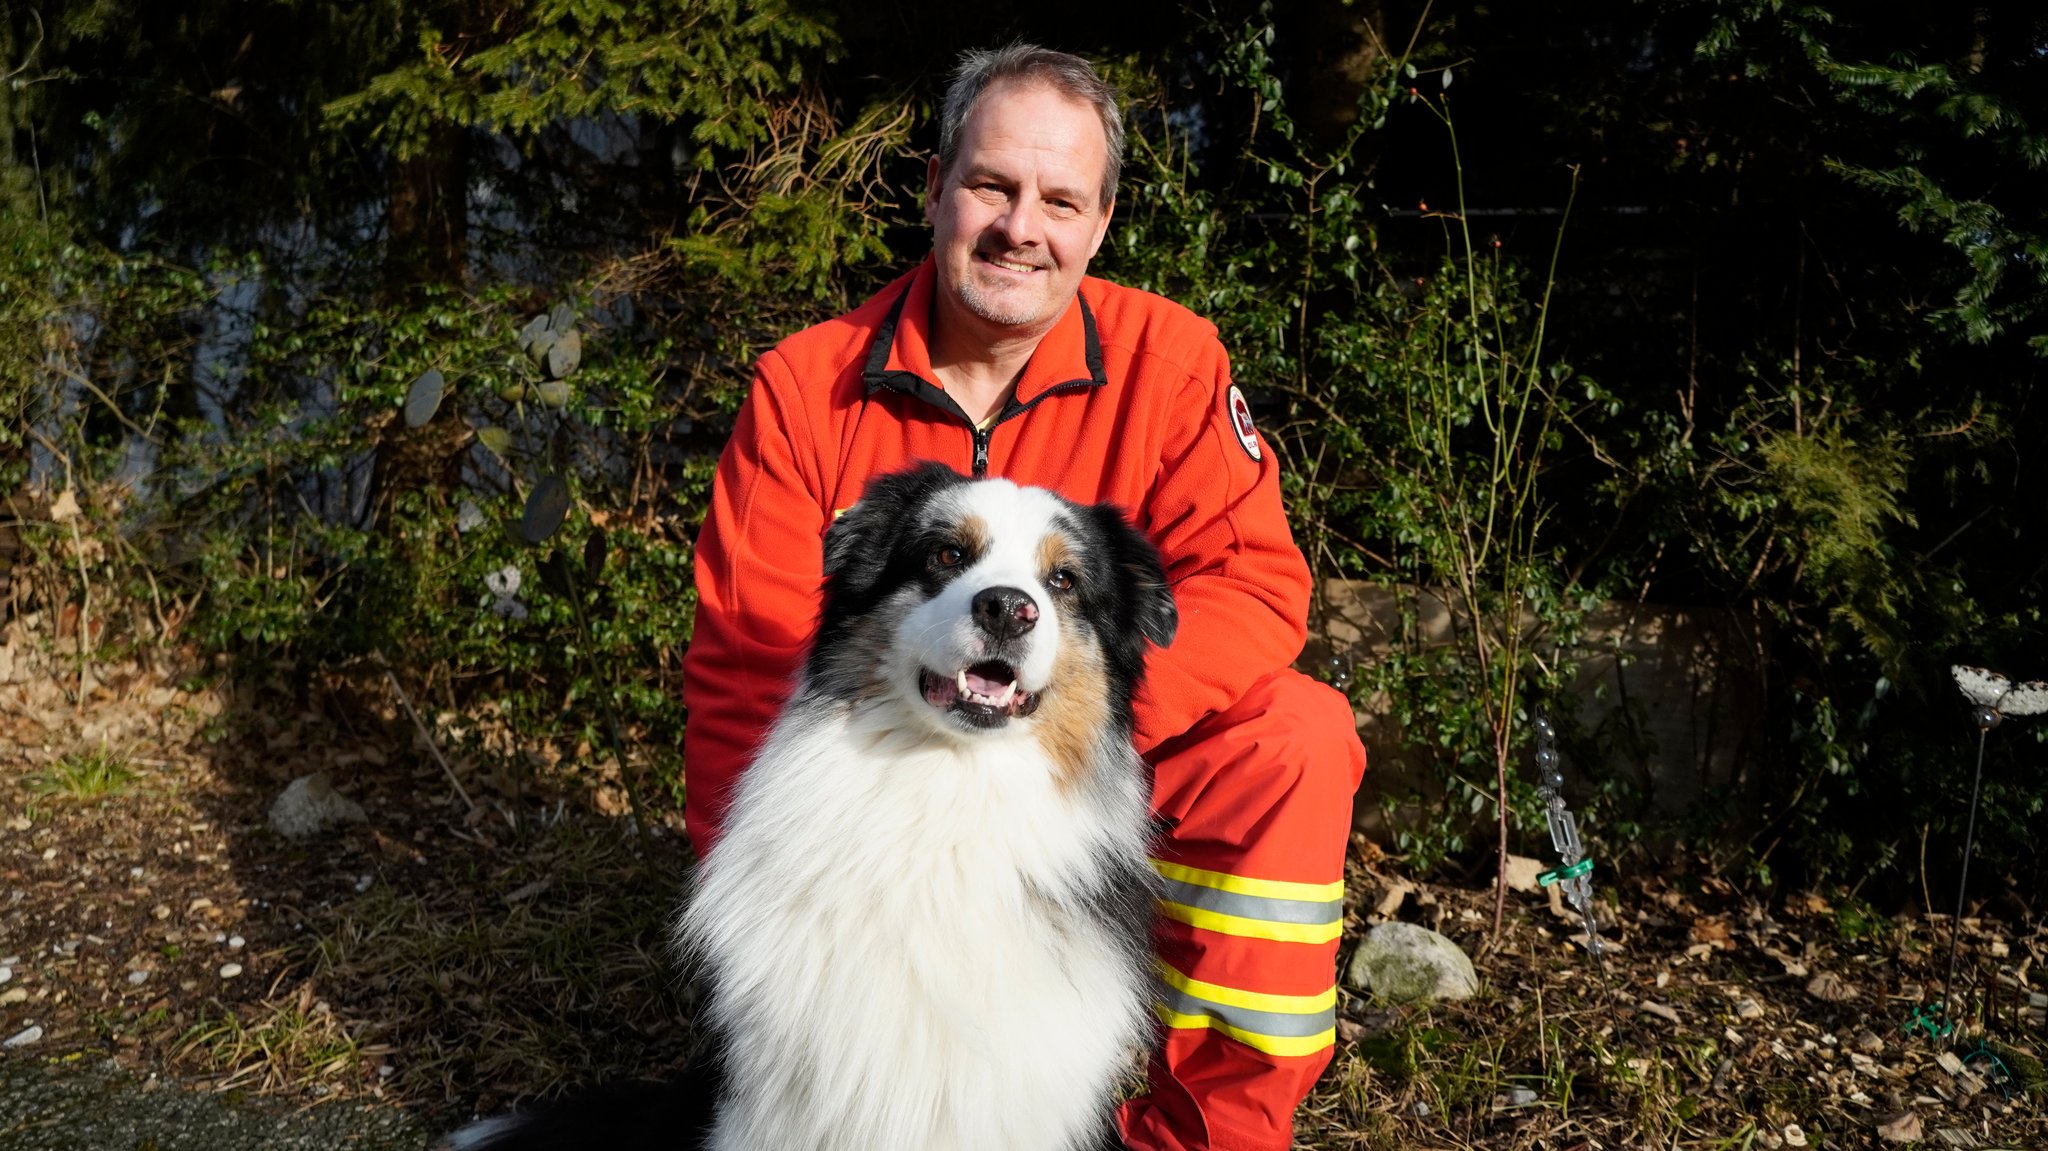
pixel 1009 693
pixel 961 681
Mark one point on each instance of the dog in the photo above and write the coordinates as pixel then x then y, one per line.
pixel 926 925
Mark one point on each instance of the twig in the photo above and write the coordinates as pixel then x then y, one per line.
pixel 426 734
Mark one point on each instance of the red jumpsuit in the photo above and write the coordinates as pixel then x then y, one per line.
pixel 1127 400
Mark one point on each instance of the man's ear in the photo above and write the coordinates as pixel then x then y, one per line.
pixel 934 183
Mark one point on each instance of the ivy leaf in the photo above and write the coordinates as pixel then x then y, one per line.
pixel 545 507
pixel 535 328
pixel 423 399
pixel 497 439
pixel 565 354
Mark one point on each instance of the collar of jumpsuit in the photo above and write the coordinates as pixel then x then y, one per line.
pixel 1069 356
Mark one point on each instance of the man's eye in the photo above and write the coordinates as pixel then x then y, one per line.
pixel 1060 580
pixel 949 556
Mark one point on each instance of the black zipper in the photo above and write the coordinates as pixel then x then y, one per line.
pixel 1011 409
pixel 981 437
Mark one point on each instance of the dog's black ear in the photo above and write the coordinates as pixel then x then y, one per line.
pixel 859 542
pixel 1145 592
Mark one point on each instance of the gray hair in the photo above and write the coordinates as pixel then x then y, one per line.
pixel 1066 74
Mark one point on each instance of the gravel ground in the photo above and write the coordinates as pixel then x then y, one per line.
pixel 67 1107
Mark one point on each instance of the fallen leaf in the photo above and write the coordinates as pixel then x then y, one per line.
pixel 1522 873
pixel 1660 1010
pixel 1714 933
pixel 1830 987
pixel 1901 1128
pixel 1392 899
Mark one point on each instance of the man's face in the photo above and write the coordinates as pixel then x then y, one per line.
pixel 1018 215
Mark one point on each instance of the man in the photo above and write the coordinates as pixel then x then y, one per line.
pixel 999 356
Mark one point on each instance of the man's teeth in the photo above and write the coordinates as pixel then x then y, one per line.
pixel 1001 699
pixel 1012 265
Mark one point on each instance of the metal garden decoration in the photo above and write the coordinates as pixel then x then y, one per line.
pixel 1993 698
pixel 1575 868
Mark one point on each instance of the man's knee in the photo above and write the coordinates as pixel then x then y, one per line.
pixel 1288 740
pixel 1308 727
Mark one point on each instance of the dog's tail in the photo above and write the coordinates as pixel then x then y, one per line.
pixel 673 1116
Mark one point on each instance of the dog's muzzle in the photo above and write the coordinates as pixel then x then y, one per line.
pixel 985 693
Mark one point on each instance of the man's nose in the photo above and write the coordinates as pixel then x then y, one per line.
pixel 1022 225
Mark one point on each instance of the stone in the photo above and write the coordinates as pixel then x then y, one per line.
pixel 24 1037
pixel 309 805
pixel 1403 963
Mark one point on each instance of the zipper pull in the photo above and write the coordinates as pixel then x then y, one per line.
pixel 981 437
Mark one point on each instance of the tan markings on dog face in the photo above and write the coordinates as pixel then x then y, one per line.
pixel 973 536
pixel 1055 552
pixel 1070 720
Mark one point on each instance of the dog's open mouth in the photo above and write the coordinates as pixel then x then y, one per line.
pixel 985 693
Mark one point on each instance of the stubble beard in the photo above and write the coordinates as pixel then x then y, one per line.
pixel 1003 309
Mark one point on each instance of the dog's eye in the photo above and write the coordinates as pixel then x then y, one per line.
pixel 1060 580
pixel 948 556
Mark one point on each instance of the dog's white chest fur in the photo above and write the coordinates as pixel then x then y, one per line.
pixel 905 956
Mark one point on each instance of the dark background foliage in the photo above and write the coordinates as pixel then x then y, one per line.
pixel 1786 364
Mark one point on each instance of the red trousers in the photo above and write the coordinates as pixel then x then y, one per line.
pixel 1253 867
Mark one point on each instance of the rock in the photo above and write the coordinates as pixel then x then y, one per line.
pixel 1901 1128
pixel 138 977
pixel 6 973
pixel 309 805
pixel 1513 1097
pixel 24 1038
pixel 13 995
pixel 1747 1008
pixel 230 970
pixel 1795 1135
pixel 1403 963
pixel 1868 1042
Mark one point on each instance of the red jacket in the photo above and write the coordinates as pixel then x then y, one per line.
pixel 1127 400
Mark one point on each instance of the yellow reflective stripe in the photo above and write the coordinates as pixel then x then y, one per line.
pixel 1251 928
pixel 1244 885
pixel 1252 1000
pixel 1270 1044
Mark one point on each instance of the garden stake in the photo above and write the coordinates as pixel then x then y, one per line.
pixel 1992 698
pixel 1575 868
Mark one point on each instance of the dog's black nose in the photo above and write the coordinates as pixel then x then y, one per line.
pixel 1004 612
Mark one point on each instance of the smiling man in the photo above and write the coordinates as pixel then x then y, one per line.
pixel 1000 356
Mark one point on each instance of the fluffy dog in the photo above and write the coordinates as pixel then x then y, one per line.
pixel 925 926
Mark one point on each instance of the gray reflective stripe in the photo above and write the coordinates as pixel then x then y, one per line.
pixel 1288 1026
pixel 1253 906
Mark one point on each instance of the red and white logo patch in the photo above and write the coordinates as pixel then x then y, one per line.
pixel 1241 423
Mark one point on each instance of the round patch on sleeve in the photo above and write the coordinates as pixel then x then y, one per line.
pixel 1241 423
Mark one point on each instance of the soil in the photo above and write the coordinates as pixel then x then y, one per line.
pixel 454 952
